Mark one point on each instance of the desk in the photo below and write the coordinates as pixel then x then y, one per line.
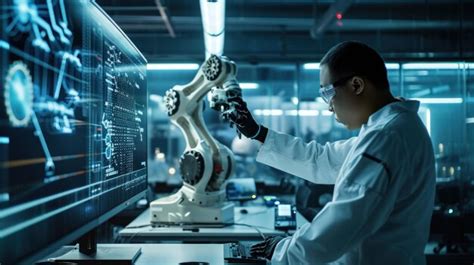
pixel 259 216
pixel 169 254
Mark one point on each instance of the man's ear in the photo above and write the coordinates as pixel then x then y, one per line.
pixel 358 85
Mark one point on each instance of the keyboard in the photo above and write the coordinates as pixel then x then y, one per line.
pixel 240 253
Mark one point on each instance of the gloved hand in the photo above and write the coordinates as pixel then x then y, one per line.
pixel 266 247
pixel 243 119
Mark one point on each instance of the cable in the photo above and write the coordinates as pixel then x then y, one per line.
pixel 136 232
pixel 137 226
pixel 243 216
pixel 254 227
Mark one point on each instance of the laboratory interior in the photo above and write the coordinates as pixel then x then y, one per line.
pixel 212 132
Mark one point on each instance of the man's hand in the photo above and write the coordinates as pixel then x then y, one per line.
pixel 266 247
pixel 243 119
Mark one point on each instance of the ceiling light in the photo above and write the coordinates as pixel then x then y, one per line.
pixel 249 85
pixel 311 66
pixel 392 66
pixel 213 15
pixel 435 66
pixel 439 100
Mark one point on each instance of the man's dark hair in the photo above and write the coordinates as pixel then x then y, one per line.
pixel 356 58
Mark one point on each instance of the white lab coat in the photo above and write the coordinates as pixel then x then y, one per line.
pixel 383 197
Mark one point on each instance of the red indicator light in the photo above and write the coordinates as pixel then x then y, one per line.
pixel 339 15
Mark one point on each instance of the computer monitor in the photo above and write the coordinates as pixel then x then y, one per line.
pixel 73 117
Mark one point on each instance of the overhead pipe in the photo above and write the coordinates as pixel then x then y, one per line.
pixel 166 18
pixel 340 6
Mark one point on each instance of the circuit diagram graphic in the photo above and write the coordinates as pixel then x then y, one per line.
pixel 73 97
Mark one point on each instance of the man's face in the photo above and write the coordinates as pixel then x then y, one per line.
pixel 344 102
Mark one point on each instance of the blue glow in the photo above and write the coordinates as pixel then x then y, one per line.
pixel 434 66
pixel 249 85
pixel 392 66
pixel 4 140
pixel 315 66
pixel 4 197
pixel 439 100
pixel 172 66
pixel 311 66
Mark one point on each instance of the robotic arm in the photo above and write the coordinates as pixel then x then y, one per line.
pixel 205 164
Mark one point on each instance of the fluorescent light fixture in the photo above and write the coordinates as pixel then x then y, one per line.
pixel 249 85
pixel 435 66
pixel 470 65
pixel 268 112
pixel 425 115
pixel 315 66
pixel 213 16
pixel 470 120
pixel 439 100
pixel 4 140
pixel 392 66
pixel 294 100
pixel 302 112
pixel 279 112
pixel 172 66
pixel 326 113
pixel 311 66
pixel 156 98
pixel 308 112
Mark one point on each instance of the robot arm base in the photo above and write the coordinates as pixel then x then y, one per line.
pixel 178 209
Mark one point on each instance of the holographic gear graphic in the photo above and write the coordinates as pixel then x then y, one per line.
pixel 18 94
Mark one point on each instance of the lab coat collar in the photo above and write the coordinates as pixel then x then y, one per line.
pixel 383 115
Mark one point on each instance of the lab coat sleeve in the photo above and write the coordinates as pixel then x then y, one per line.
pixel 364 198
pixel 311 161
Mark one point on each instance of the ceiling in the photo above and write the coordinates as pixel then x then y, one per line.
pixel 260 31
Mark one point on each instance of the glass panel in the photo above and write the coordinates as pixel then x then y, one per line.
pixel 275 97
pixel 440 88
pixel 469 99
pixel 273 104
pixel 393 71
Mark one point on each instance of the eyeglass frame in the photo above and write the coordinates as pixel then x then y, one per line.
pixel 327 92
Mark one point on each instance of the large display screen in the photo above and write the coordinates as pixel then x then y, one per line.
pixel 72 122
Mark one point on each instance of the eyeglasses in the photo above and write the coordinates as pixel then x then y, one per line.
pixel 328 92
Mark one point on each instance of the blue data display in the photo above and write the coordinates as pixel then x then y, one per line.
pixel 72 118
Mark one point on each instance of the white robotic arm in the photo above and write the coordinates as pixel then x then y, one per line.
pixel 205 164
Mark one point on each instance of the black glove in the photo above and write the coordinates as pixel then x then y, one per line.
pixel 243 119
pixel 266 247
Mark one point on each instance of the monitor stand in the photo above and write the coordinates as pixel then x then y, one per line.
pixel 88 253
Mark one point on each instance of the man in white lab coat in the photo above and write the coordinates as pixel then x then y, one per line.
pixel 384 178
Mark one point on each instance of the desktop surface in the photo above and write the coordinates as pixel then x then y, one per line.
pixel 166 254
pixel 260 217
